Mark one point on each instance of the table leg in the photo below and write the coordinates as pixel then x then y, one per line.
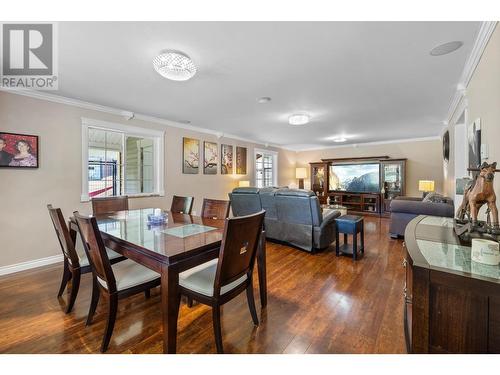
pixel 345 238
pixel 355 246
pixel 170 299
pixel 261 269
pixel 337 246
pixel 362 239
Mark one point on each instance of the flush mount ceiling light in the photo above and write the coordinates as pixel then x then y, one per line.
pixel 264 99
pixel 340 139
pixel 299 119
pixel 446 48
pixel 174 65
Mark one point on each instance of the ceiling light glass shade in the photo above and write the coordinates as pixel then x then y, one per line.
pixel 340 140
pixel 175 66
pixel 298 119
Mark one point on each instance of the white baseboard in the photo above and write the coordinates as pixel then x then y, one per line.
pixel 6 270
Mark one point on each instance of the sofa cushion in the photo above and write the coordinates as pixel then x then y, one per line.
pixel 246 190
pixel 295 192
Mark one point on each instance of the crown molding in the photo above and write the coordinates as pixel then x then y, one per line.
pixel 129 115
pixel 483 37
pixel 354 145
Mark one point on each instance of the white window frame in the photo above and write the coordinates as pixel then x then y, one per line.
pixel 274 154
pixel 157 136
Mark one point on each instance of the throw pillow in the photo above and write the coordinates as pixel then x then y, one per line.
pixel 435 198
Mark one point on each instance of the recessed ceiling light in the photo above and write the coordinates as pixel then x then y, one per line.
pixel 174 65
pixel 299 119
pixel 264 99
pixel 340 139
pixel 446 48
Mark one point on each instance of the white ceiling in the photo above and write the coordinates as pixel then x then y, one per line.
pixel 368 81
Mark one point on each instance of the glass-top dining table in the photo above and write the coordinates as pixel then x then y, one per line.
pixel 183 242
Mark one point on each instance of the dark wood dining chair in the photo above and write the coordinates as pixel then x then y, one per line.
pixel 106 205
pixel 220 280
pixel 75 262
pixel 114 282
pixel 182 205
pixel 215 208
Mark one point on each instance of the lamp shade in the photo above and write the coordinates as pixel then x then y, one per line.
pixel 244 183
pixel 426 185
pixel 300 172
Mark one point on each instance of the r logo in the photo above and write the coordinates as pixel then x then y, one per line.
pixel 27 49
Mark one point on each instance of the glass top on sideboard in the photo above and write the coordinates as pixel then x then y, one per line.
pixel 443 250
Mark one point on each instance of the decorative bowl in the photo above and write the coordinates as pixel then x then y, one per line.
pixel 157 219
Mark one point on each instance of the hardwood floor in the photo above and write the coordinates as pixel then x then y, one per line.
pixel 318 303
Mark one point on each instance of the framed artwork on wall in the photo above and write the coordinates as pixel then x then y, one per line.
pixel 190 155
pixel 241 160
pixel 226 156
pixel 446 146
pixel 18 150
pixel 209 157
pixel 474 143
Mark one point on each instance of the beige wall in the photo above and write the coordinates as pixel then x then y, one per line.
pixel 424 159
pixel 25 230
pixel 482 98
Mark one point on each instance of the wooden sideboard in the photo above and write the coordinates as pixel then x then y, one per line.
pixel 451 304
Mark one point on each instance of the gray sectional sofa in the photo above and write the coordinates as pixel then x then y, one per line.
pixel 293 216
pixel 404 209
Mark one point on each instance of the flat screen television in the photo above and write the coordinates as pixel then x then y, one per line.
pixel 356 178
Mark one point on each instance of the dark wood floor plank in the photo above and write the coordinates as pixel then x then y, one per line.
pixel 317 303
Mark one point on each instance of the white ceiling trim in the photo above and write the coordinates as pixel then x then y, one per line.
pixel 480 44
pixel 354 145
pixel 129 115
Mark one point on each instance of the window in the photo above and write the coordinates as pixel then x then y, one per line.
pixel 120 160
pixel 266 168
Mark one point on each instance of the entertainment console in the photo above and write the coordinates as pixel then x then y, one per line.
pixel 360 203
pixel 390 183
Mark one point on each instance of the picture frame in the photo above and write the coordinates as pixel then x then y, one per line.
pixel 226 156
pixel 190 155
pixel 241 160
pixel 19 150
pixel 210 157
pixel 474 143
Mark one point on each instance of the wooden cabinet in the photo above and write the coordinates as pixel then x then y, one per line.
pixel 448 309
pixel 392 182
pixel 357 203
pixel 319 181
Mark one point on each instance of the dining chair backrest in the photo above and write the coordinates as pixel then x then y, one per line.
pixel 106 205
pixel 182 205
pixel 215 208
pixel 96 252
pixel 62 232
pixel 239 246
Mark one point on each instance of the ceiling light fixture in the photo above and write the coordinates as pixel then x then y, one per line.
pixel 264 99
pixel 174 65
pixel 299 119
pixel 340 139
pixel 446 48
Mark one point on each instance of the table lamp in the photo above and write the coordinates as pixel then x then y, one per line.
pixel 244 183
pixel 300 174
pixel 425 186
